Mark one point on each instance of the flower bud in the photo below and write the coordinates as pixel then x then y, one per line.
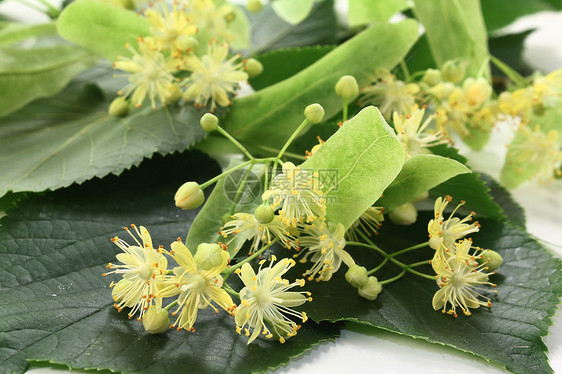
pixel 432 77
pixel 420 197
pixel 405 214
pixel 347 87
pixel 453 71
pixel 174 94
pixel 264 214
pixel 371 290
pixel 476 91
pixel 314 113
pixel 357 276
pixel 209 256
pixel 189 196
pixel 118 289
pixel 253 67
pixel 119 107
pixel 156 320
pixel 254 6
pixel 492 259
pixel 209 122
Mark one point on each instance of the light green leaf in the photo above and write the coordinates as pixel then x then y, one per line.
pixel 56 307
pixel 455 29
pixel 29 74
pixel 293 11
pixel 478 135
pixel 101 27
pixel 419 174
pixel 240 26
pixel 11 33
pixel 70 137
pixel 362 12
pixel 272 114
pixel 356 164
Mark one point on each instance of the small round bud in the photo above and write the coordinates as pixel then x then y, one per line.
pixel 357 276
pixel 209 122
pixel 347 87
pixel 314 113
pixel 420 197
pixel 476 91
pixel 253 67
pixel 156 320
pixel 492 259
pixel 188 44
pixel 174 94
pixel 371 290
pixel 453 71
pixel 209 255
pixel 404 214
pixel 189 196
pixel 254 6
pixel 119 287
pixel 264 214
pixel 432 77
pixel 119 107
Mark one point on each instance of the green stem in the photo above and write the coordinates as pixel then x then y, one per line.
pixel 393 279
pixel 405 70
pixel 290 140
pixel 228 271
pixel 344 110
pixel 171 305
pixel 235 142
pixel 273 150
pixel 240 187
pixel 229 289
pixel 414 247
pixel 244 164
pixel 511 74
pixel 266 177
pixel 52 11
pixel 379 266
pixel 420 263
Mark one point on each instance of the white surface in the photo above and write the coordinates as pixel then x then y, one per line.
pixel 391 353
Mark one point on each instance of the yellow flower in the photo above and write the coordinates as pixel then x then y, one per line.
pixel 213 77
pixel 460 277
pixel 197 288
pixel 325 243
pixel 443 233
pixel 518 103
pixel 171 29
pixel 150 73
pixel 411 132
pixel 266 299
pixel 298 193
pixel 547 90
pixel 370 221
pixel 212 20
pixel 476 91
pixel 142 268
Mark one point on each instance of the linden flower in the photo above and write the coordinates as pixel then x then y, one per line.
pixel 538 149
pixel 325 243
pixel 410 132
pixel 212 20
pixel 197 288
pixel 460 279
pixel 142 267
pixel 151 74
pixel 370 221
pixel 298 193
pixel 516 103
pixel 213 77
pixel 391 95
pixel 171 29
pixel 443 233
pixel 266 299
pixel 548 90
pixel 246 227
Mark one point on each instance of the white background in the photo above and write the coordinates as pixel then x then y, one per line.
pixel 391 353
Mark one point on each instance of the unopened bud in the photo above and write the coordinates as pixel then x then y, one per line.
pixel 254 6
pixel 453 71
pixel 405 214
pixel 357 276
pixel 156 320
pixel 253 67
pixel 209 256
pixel 209 122
pixel 492 259
pixel 189 196
pixel 476 91
pixel 314 113
pixel 264 214
pixel 432 77
pixel 371 290
pixel 174 94
pixel 119 107
pixel 347 87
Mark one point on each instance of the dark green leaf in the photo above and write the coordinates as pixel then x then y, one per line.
pixel 420 58
pixel 70 137
pixel 529 285
pixel 511 209
pixel 284 63
pixel 501 13
pixel 57 307
pixel 510 48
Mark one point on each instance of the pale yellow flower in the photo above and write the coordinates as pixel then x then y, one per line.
pixel 172 29
pixel 369 222
pixel 212 19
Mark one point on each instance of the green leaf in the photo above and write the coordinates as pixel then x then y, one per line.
pixel 101 27
pixel 362 12
pixel 70 138
pixel 455 29
pixel 291 11
pixel 511 209
pixel 29 74
pixel 57 307
pixel 501 13
pixel 11 33
pixel 419 57
pixel 270 32
pixel 281 64
pixel 478 135
pixel 419 174
pixel 272 114
pixel 509 334
pixel 356 164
